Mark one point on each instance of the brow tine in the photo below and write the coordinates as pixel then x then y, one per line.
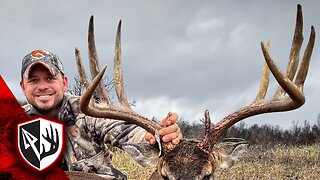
pixel 85 98
pixel 81 70
pixel 264 82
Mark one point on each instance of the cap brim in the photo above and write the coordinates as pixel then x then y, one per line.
pixel 27 71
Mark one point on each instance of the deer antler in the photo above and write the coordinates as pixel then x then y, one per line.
pixel 280 101
pixel 107 109
pixel 54 145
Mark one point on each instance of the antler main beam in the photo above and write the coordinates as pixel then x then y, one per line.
pixel 288 96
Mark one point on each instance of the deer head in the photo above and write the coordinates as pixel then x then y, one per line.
pixel 198 159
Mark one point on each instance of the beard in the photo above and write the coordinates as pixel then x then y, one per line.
pixel 49 107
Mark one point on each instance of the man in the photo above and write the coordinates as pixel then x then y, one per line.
pixel 45 86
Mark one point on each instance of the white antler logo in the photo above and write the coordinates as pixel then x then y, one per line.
pixel 40 142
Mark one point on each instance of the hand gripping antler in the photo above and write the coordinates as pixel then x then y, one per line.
pixel 280 101
pixel 107 109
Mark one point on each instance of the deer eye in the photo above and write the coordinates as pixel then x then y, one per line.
pixel 207 177
pixel 165 178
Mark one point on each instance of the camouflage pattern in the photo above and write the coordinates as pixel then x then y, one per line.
pixel 87 137
pixel 47 59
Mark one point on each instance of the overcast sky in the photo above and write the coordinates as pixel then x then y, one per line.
pixel 178 55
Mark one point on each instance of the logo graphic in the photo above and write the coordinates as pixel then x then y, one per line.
pixel 40 142
pixel 38 54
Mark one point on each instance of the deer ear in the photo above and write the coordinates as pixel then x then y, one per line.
pixel 145 154
pixel 229 150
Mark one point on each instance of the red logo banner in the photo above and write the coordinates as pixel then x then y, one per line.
pixel 11 166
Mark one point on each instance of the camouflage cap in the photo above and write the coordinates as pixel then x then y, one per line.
pixel 47 59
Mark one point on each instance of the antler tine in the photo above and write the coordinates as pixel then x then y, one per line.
pixel 205 144
pixel 295 50
pixel 264 82
pixel 279 102
pixel 94 62
pixel 118 77
pixel 81 71
pixel 296 45
pixel 304 66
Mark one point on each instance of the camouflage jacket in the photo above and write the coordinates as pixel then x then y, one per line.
pixel 87 137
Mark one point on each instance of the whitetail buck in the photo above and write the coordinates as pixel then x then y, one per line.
pixel 194 159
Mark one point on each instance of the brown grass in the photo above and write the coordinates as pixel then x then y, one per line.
pixel 280 162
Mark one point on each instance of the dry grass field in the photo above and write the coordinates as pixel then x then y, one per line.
pixel 280 162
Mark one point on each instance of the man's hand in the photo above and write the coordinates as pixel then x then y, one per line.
pixel 169 132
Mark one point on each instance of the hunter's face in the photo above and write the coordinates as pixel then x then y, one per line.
pixel 42 89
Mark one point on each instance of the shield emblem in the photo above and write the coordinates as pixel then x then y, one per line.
pixel 40 142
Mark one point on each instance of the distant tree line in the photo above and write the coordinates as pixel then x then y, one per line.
pixel 265 135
